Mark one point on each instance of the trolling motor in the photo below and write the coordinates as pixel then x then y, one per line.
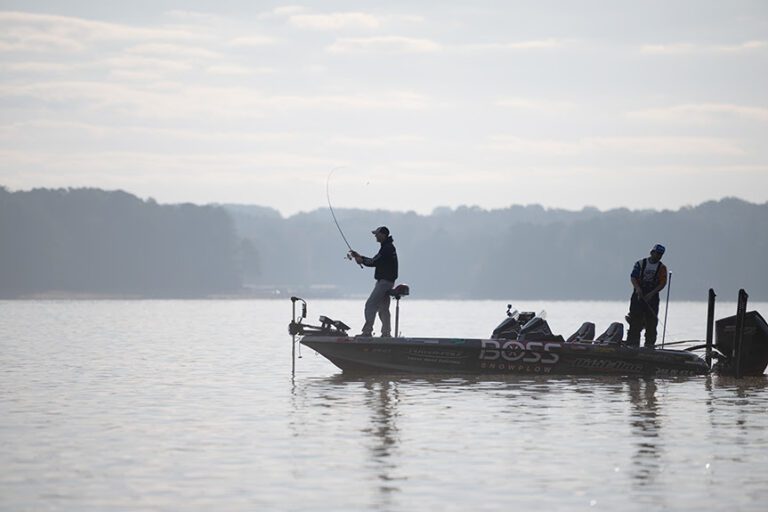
pixel 328 326
pixel 294 328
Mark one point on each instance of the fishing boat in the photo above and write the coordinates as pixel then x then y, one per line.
pixel 524 344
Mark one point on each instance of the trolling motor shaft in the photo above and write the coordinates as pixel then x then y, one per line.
pixel 294 328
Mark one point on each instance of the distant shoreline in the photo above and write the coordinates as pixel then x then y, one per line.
pixel 84 297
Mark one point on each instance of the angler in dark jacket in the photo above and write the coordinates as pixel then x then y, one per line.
pixel 385 263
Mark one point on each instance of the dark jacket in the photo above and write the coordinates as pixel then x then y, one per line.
pixel 385 261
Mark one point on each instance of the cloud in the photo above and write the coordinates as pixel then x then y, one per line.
pixel 701 112
pixel 195 16
pixel 693 49
pixel 29 32
pixel 249 41
pixel 383 44
pixel 372 142
pixel 544 106
pixel 175 51
pixel 76 136
pixel 672 145
pixel 44 67
pixel 16 40
pixel 286 10
pixel 140 64
pixel 181 101
pixel 237 69
pixel 335 21
pixel 124 164
pixel 539 44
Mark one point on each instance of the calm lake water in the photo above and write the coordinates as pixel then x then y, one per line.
pixel 190 405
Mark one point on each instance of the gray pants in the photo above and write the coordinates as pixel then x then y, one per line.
pixel 378 302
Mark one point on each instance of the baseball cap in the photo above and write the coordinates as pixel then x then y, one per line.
pixel 659 249
pixel 384 230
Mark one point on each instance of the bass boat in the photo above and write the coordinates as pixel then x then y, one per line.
pixel 524 344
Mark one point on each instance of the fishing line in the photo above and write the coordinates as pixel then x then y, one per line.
pixel 333 214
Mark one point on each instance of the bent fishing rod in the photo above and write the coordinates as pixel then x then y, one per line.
pixel 333 214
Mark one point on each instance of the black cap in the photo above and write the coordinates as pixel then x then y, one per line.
pixel 384 230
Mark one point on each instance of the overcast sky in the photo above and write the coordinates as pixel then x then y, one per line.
pixel 644 104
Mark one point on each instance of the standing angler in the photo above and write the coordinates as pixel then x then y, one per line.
pixel 385 262
pixel 649 277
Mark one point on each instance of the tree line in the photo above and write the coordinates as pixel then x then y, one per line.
pixel 525 252
pixel 99 243
pixel 111 243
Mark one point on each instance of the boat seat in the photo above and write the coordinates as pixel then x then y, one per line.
pixel 400 290
pixel 613 334
pixel 585 333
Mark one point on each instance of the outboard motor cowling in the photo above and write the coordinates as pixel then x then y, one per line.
pixel 754 345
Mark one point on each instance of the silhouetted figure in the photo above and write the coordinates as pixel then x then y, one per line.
pixel 385 262
pixel 649 277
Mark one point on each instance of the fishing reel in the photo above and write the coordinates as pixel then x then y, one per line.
pixel 351 257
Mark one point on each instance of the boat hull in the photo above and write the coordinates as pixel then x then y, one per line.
pixel 484 356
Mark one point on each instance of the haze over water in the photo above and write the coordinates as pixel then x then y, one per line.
pixel 190 405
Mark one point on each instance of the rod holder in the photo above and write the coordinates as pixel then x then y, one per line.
pixel 741 313
pixel 710 326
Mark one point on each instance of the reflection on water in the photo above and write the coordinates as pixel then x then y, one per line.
pixel 382 398
pixel 645 428
pixel 190 405
pixel 733 400
pixel 531 408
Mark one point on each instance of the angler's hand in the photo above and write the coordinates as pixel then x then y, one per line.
pixel 354 255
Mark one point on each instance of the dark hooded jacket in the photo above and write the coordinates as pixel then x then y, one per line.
pixel 385 261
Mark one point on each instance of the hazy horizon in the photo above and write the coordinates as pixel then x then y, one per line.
pixel 82 241
pixel 420 104
pixel 286 215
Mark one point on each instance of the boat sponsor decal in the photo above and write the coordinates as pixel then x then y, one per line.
pixel 378 350
pixel 607 364
pixel 445 353
pixel 515 367
pixel 431 355
pixel 533 352
pixel 675 372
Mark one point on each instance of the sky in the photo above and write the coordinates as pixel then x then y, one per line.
pixel 416 104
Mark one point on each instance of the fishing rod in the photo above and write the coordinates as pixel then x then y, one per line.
pixel 333 214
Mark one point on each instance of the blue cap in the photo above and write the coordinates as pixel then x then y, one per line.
pixel 659 249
